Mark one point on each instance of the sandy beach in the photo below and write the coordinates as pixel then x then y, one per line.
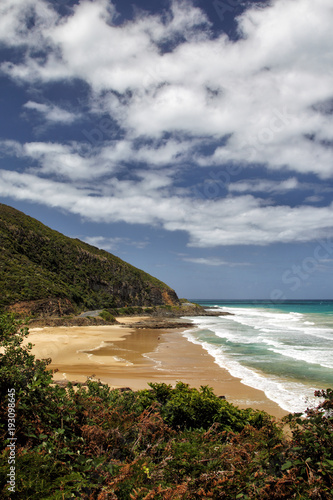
pixel 122 356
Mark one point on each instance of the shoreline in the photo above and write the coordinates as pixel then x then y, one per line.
pixel 122 356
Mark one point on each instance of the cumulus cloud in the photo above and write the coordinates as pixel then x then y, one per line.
pixel 23 22
pixel 266 92
pixel 244 220
pixel 182 96
pixel 70 161
pixel 79 161
pixel 51 112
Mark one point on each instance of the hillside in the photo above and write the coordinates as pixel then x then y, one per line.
pixel 65 274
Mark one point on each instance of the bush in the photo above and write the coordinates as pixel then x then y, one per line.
pixel 107 316
pixel 189 408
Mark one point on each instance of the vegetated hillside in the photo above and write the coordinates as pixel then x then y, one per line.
pixel 37 263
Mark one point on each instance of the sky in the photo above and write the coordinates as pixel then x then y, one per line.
pixel 191 138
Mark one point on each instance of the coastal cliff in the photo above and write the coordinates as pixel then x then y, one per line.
pixel 44 272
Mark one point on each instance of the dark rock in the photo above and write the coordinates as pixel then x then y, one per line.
pixel 43 308
pixel 161 324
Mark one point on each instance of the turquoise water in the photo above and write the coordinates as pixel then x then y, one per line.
pixel 284 349
pixel 300 306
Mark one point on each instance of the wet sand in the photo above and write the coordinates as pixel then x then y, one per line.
pixel 122 356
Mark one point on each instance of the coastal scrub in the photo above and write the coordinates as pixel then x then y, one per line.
pixel 92 442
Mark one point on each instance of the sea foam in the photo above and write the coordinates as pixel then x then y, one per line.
pixel 287 354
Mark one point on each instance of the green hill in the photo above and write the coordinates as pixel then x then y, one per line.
pixel 40 264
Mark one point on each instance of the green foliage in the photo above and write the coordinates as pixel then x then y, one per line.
pixel 133 310
pixel 37 263
pixel 311 451
pixel 107 316
pixel 184 408
pixel 91 442
pixel 18 368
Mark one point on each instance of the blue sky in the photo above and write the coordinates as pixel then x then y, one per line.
pixel 192 139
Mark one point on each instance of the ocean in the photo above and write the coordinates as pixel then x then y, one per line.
pixel 284 349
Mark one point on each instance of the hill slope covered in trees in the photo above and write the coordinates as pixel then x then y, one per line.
pixel 37 263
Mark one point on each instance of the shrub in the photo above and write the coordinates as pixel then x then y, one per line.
pixel 184 407
pixel 107 316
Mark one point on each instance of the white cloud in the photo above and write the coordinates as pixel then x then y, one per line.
pixel 267 95
pixel 44 191
pixel 260 90
pixel 214 261
pixel 263 91
pixel 243 220
pixel 79 161
pixel 267 186
pixel 264 186
pixel 295 153
pixel 112 244
pixel 70 161
pixel 11 148
pixel 313 199
pixel 22 22
pixel 52 113
pixel 96 49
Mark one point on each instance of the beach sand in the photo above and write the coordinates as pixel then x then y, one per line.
pixel 122 356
